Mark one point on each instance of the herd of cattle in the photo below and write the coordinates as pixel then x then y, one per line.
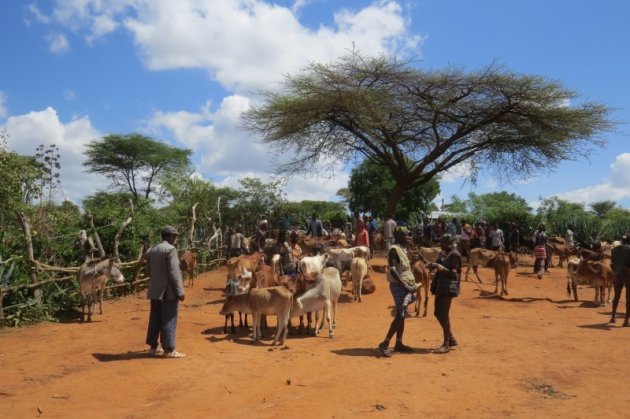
pixel 258 287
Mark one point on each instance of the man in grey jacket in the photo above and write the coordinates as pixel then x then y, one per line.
pixel 166 290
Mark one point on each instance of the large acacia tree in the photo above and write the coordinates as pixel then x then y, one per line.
pixel 135 162
pixel 419 124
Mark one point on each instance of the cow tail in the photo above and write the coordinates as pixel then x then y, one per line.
pixel 569 287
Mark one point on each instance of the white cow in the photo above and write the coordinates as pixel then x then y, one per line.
pixel 323 295
pixel 358 269
pixel 313 265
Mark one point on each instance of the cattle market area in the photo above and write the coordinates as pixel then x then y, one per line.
pixel 533 353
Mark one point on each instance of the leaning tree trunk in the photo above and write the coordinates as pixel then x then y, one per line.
pixel 97 238
pixel 191 226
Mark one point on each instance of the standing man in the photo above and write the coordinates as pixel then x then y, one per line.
pixel 236 244
pixel 514 241
pixel 401 283
pixel 464 240
pixel 496 237
pixel 315 227
pixel 620 264
pixel 540 251
pixel 166 290
pixel 262 235
pixel 371 227
pixel 388 231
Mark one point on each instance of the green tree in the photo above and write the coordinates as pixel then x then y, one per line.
pixel 50 161
pixel 457 205
pixel 558 214
pixel 418 124
pixel 186 191
pixel 258 199
pixel 135 162
pixel 600 208
pixel 370 187
pixel 500 208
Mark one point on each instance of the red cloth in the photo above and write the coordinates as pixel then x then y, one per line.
pixel 363 238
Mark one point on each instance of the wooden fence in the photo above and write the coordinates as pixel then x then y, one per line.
pixel 214 260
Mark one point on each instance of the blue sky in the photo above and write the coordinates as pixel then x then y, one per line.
pixel 184 71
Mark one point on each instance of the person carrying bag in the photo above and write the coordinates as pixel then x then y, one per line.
pixel 446 286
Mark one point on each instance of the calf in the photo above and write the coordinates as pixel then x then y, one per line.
pixel 359 270
pixel 273 300
pixel 187 264
pixel 422 277
pixel 323 295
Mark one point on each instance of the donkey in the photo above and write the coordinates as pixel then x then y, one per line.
pixel 92 277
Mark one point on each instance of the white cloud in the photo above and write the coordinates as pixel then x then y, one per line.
pixel 3 104
pixel 69 95
pixel 244 44
pixel 28 131
pixel 615 187
pixel 37 14
pixel 58 43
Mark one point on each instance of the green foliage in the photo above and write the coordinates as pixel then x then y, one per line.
pixel 186 191
pixel 370 187
pixel 109 210
pixel 500 208
pixel 419 124
pixel 332 214
pixel 134 162
pixel 257 199
pixel 20 184
pixel 600 208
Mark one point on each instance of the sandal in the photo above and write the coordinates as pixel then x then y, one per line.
pixel 156 352
pixel 174 354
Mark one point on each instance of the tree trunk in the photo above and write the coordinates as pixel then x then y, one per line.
pixel 394 198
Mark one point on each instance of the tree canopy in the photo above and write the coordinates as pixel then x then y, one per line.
pixel 370 185
pixel 134 162
pixel 419 123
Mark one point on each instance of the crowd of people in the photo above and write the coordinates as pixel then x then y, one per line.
pixel 166 286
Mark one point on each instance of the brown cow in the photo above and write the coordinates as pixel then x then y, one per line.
pixel 421 275
pixel 484 258
pixel 501 272
pixel 562 250
pixel 187 264
pixel 589 272
pixel 239 265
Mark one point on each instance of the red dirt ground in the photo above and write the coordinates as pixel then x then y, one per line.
pixel 536 354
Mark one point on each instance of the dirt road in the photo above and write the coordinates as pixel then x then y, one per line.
pixel 536 354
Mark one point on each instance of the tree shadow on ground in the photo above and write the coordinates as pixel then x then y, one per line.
pixel 126 356
pixel 491 295
pixel 374 352
pixel 69 316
